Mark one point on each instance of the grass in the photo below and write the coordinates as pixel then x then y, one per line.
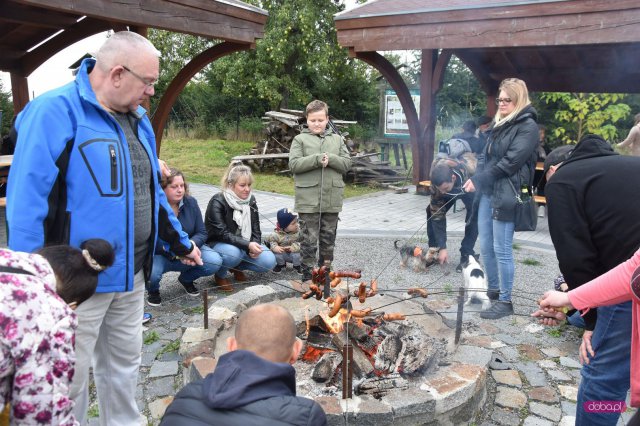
pixel 171 347
pixel 531 262
pixel 93 411
pixel 556 331
pixel 150 338
pixel 205 161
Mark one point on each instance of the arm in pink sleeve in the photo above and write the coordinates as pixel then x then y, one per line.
pixel 608 289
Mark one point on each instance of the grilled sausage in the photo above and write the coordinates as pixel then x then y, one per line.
pixel 337 303
pixel 394 317
pixel 362 292
pixel 422 292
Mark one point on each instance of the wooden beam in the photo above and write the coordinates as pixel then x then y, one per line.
pixel 182 78
pixel 588 28
pixel 163 14
pixel 19 92
pixel 79 31
pixel 36 17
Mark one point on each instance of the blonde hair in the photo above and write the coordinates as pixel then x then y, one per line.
pixel 267 330
pixel 516 89
pixel 315 106
pixel 234 172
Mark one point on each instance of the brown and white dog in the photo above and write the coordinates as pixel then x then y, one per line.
pixel 416 258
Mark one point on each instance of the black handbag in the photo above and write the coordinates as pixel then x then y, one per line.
pixel 526 212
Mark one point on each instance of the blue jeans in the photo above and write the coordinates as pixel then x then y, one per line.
pixel 236 258
pixel 496 249
pixel 606 377
pixel 161 264
pixel 283 258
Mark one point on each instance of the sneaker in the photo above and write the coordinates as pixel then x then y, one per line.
pixel 277 269
pixel 498 310
pixel 223 284
pixel 298 269
pixel 463 262
pixel 493 294
pixel 153 298
pixel 146 317
pixel 190 288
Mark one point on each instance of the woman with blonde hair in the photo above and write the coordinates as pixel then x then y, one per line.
pixel 633 139
pixel 233 227
pixel 509 162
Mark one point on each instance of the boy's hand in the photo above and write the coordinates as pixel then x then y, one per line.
pixel 277 249
pixel 287 249
pixel 325 160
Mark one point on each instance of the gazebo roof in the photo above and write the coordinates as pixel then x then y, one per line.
pixel 31 31
pixel 554 45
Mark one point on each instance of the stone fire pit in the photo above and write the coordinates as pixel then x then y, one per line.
pixel 449 388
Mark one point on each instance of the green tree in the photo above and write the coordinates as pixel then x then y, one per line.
pixel 578 114
pixel 6 106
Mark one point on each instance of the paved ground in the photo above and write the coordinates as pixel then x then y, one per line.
pixel 539 386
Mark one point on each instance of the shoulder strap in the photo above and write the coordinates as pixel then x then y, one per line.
pixel 10 270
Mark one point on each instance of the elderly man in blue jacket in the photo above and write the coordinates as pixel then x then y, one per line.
pixel 85 167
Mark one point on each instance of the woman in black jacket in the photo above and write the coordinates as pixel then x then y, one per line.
pixel 233 227
pixel 509 162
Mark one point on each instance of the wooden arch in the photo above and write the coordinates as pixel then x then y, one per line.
pixel 182 78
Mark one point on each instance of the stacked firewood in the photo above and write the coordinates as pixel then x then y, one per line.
pixel 281 127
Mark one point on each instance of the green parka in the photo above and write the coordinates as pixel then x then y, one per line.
pixel 305 155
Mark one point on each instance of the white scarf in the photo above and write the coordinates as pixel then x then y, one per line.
pixel 241 212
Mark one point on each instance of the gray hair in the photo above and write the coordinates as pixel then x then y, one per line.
pixel 120 47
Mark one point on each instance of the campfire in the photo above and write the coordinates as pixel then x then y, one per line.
pixel 347 340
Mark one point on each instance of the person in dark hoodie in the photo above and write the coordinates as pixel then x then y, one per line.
pixel 507 166
pixel 593 210
pixel 254 383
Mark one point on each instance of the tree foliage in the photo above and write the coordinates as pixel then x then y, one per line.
pixel 6 106
pixel 579 114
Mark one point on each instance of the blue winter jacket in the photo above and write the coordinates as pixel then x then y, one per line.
pixel 71 180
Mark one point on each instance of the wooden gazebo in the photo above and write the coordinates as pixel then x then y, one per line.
pixel 553 45
pixel 31 31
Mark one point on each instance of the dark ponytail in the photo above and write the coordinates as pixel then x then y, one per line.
pixel 77 270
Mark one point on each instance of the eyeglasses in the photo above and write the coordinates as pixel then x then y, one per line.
pixel 139 77
pixel 503 101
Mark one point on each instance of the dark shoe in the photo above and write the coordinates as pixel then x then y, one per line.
pixel 277 269
pixel 498 310
pixel 239 276
pixel 298 269
pixel 153 298
pixel 460 267
pixel 493 294
pixel 190 288
pixel 223 284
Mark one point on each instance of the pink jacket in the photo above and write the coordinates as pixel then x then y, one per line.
pixel 610 289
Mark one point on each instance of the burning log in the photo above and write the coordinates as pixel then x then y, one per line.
pixel 380 386
pixel 361 365
pixel 326 367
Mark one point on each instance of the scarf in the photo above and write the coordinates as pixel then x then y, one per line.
pixel 241 212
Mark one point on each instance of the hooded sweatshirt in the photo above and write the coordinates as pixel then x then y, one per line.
pixel 244 390
pixel 593 209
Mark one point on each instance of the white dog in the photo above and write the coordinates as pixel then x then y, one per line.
pixel 475 283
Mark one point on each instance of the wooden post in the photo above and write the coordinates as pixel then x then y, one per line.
pixel 460 313
pixel 347 370
pixel 205 302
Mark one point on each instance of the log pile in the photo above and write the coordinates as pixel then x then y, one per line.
pixel 281 127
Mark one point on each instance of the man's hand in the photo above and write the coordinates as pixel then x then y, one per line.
pixel 194 258
pixel 585 347
pixel 443 256
pixel 468 186
pixel 164 169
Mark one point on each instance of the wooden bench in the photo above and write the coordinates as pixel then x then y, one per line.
pixel 397 144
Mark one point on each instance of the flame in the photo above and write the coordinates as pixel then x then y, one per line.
pixel 336 324
pixel 306 318
pixel 312 354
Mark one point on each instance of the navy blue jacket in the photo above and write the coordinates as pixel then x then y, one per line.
pixel 244 390
pixel 190 218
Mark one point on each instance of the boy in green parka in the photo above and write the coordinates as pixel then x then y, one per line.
pixel 318 159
